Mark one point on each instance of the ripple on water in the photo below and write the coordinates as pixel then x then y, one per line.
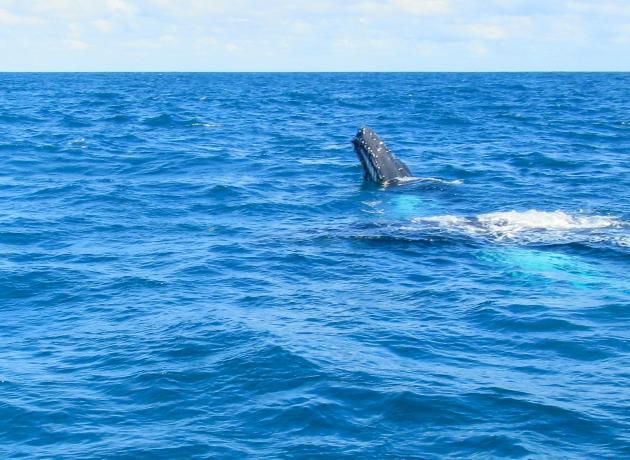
pixel 191 267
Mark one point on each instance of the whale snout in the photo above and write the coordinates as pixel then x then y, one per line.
pixel 378 162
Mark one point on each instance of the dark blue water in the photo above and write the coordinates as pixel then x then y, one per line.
pixel 191 267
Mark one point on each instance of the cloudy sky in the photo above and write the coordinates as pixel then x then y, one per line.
pixel 314 35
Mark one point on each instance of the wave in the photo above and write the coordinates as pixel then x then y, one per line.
pixel 514 222
pixel 431 179
pixel 166 120
pixel 423 180
pixel 206 125
pixel 510 224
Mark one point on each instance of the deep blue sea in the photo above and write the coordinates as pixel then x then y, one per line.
pixel 191 266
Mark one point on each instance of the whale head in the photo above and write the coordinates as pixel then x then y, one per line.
pixel 378 162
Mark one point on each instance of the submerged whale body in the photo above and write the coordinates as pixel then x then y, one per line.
pixel 379 163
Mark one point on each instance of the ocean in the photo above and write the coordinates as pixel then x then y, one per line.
pixel 191 266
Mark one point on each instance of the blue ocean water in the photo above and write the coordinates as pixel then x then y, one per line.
pixel 192 267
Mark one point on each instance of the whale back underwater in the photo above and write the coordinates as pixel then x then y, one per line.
pixel 191 266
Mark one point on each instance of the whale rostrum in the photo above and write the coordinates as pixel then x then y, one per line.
pixel 379 163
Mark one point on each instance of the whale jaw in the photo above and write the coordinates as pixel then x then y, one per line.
pixel 378 162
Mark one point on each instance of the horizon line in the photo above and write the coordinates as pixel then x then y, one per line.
pixel 312 71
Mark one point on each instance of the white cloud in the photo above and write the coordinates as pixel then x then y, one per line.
pixel 168 39
pixel 301 27
pixel 121 6
pixel 567 30
pixel 423 7
pixel 486 31
pixel 427 47
pixel 232 48
pixel 623 35
pixel 103 25
pixel 75 29
pixel 370 7
pixel 141 43
pixel 65 9
pixel 345 43
pixel 199 8
pixel 479 49
pixel 600 7
pixel 207 41
pixel 9 19
pixel 508 28
pixel 77 44
pixel 158 42
pixel 406 34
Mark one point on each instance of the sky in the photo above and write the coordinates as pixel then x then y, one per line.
pixel 314 35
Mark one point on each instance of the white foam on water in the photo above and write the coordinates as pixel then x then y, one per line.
pixel 436 180
pixel 441 181
pixel 512 222
pixel 622 241
pixel 508 224
pixel 80 142
pixel 445 221
pixel 206 125
pixel 373 207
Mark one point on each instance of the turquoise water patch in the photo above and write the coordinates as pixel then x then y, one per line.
pixel 408 206
pixel 549 266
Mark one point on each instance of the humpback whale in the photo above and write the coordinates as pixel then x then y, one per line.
pixel 379 163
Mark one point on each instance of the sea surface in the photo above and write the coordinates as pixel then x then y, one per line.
pixel 191 266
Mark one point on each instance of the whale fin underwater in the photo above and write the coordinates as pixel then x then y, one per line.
pixel 378 162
